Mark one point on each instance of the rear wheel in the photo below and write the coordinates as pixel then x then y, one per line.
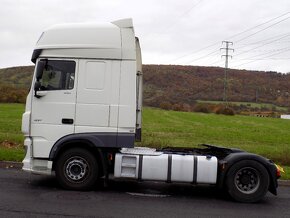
pixel 247 181
pixel 77 169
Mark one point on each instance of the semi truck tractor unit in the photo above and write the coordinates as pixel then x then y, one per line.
pixel 83 116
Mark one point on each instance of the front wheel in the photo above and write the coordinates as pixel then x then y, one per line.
pixel 247 181
pixel 77 169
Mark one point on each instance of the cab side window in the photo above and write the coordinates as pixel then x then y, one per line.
pixel 58 75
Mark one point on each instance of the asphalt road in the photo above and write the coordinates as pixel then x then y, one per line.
pixel 26 195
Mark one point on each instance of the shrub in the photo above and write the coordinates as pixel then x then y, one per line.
pixel 165 105
pixel 203 108
pixel 225 110
pixel 186 107
pixel 177 107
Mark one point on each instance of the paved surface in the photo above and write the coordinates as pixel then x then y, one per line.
pixel 26 195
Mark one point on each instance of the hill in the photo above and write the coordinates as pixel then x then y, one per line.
pixel 14 84
pixel 186 84
pixel 18 77
pixel 179 85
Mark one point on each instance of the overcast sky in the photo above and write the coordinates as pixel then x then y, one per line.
pixel 187 32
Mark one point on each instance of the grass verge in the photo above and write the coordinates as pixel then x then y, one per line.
pixel 11 154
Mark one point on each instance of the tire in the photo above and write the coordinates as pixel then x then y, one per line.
pixel 77 169
pixel 247 181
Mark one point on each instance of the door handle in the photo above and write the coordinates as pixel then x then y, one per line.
pixel 67 121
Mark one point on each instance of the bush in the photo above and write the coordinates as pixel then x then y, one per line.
pixel 225 110
pixel 165 105
pixel 203 108
pixel 186 107
pixel 177 107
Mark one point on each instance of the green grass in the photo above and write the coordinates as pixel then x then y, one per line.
pixel 269 137
pixel 12 154
pixel 286 175
pixel 10 123
pixel 11 138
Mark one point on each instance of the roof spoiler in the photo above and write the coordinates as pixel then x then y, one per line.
pixel 124 23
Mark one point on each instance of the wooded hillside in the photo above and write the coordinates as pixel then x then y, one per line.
pixel 178 85
pixel 185 84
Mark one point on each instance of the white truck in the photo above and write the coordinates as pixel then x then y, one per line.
pixel 83 116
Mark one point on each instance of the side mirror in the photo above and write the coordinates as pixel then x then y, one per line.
pixel 37 86
pixel 40 67
pixel 39 72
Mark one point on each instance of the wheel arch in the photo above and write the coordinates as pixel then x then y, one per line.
pixel 233 158
pixel 69 142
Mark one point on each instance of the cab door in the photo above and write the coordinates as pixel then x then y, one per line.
pixel 97 105
pixel 53 104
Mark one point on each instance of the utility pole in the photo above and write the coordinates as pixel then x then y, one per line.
pixel 228 43
pixel 257 94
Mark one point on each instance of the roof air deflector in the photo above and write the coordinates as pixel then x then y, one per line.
pixel 124 23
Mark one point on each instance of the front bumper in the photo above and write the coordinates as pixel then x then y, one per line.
pixel 34 165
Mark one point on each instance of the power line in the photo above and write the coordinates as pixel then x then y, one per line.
pixel 185 13
pixel 205 56
pixel 265 59
pixel 263 40
pixel 201 49
pixel 262 45
pixel 233 36
pixel 285 50
pixel 178 17
pixel 262 30
pixel 212 59
pixel 182 15
pixel 251 28
pixel 215 62
pixel 273 59
pixel 270 52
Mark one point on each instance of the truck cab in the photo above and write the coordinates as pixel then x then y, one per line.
pixel 84 89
